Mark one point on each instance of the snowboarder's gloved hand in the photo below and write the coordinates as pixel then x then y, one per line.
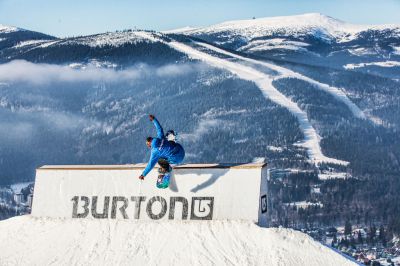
pixel 151 117
pixel 141 177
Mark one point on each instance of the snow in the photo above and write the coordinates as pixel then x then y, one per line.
pixel 47 44
pixel 362 51
pixel 381 64
pixel 339 94
pixel 316 24
pixel 26 240
pixel 30 42
pixel 115 38
pixel 18 186
pixel 273 148
pixel 396 49
pixel 304 204
pixel 7 29
pixel 333 175
pixel 271 44
pixel 264 82
pixel 179 30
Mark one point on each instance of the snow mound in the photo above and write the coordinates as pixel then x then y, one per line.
pixel 26 240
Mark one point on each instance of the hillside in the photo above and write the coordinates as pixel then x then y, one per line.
pixel 26 240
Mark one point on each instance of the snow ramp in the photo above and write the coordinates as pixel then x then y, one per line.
pixel 27 240
pixel 103 215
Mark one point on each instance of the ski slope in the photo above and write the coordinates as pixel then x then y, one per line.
pixel 264 82
pixel 287 73
pixel 26 240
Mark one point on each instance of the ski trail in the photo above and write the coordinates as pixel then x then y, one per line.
pixel 287 73
pixel 264 82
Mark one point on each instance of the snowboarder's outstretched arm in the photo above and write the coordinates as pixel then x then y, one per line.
pixel 160 131
pixel 150 165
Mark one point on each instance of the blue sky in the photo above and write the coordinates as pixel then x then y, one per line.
pixel 77 17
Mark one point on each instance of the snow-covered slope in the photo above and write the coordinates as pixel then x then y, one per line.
pixel 111 38
pixel 29 241
pixel 7 29
pixel 316 24
pixel 264 82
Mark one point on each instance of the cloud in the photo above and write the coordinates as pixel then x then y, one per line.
pixel 202 128
pixel 38 74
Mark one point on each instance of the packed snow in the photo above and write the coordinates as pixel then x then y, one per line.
pixel 380 64
pixel 264 82
pixel 316 24
pixel 26 240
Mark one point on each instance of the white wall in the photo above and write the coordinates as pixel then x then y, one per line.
pixel 233 192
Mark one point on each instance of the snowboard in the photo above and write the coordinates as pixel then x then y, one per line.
pixel 163 180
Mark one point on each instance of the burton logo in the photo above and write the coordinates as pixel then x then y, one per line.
pixel 201 208
pixel 263 203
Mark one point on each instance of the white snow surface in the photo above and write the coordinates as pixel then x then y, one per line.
pixel 115 38
pixel 380 64
pixel 316 24
pixel 26 240
pixel 179 30
pixel 264 82
pixel 7 29
pixel 29 43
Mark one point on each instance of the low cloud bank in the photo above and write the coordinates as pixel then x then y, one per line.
pixel 24 71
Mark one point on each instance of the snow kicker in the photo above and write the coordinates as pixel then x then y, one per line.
pixel 264 82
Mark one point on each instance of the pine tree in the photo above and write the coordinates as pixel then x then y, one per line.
pixel 382 236
pixel 359 237
pixel 347 228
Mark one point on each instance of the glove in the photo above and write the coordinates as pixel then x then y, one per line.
pixel 151 117
pixel 141 177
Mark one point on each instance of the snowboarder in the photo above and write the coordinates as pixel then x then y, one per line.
pixel 165 151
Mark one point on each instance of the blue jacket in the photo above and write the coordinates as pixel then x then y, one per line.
pixel 162 148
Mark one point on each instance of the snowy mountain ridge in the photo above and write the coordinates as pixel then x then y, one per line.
pixel 317 24
pixel 115 39
pixel 8 29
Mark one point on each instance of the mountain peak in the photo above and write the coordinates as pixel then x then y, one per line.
pixel 7 29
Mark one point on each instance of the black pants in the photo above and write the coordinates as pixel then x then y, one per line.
pixel 164 166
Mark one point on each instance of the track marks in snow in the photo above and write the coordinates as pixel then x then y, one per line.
pixel 264 82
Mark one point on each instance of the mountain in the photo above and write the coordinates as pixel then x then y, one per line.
pixel 41 241
pixel 125 48
pixel 325 118
pixel 314 38
pixel 12 36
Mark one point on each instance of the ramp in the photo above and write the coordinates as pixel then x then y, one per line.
pixel 197 192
